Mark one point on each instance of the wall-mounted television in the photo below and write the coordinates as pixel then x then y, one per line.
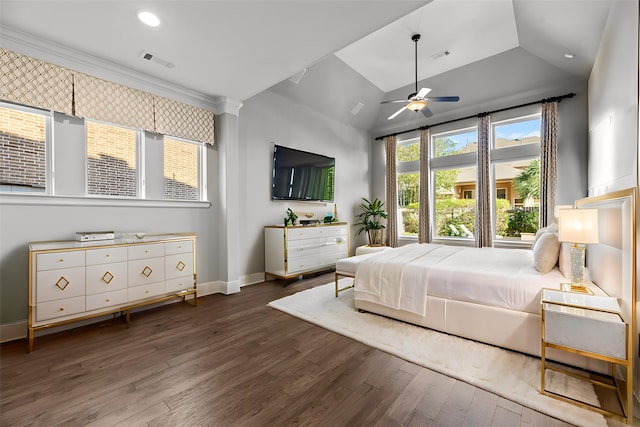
pixel 300 175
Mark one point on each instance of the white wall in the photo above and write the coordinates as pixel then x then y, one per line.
pixel 613 103
pixel 277 116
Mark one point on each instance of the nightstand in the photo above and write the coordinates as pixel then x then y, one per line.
pixel 591 326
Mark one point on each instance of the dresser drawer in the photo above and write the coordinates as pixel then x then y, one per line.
pixel 106 255
pixel 146 251
pixel 106 277
pixel 317 246
pixel 59 284
pixel 145 291
pixel 60 308
pixel 179 284
pixel 314 232
pixel 181 247
pixel 304 264
pixel 57 260
pixel 106 299
pixel 145 271
pixel 179 265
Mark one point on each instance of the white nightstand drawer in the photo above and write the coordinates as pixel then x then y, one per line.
pixel 58 260
pixel 302 264
pixel 179 284
pixel 181 247
pixel 179 265
pixel 106 255
pixel 106 299
pixel 584 329
pixel 146 291
pixel 60 308
pixel 106 277
pixel 146 251
pixel 144 271
pixel 59 284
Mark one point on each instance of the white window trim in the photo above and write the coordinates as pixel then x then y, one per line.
pixel 45 200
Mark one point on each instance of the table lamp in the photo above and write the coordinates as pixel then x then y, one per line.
pixel 580 227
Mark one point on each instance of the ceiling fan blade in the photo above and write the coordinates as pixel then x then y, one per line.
pixel 395 100
pixel 423 92
pixel 444 98
pixel 393 116
pixel 427 112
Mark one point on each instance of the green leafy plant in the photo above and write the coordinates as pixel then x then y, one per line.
pixel 291 218
pixel 372 212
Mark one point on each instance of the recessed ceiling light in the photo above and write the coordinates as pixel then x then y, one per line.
pixel 569 55
pixel 149 18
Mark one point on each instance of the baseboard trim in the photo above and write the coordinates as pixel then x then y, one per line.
pixel 251 279
pixel 13 331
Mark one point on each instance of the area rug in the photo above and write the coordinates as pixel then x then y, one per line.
pixel 509 374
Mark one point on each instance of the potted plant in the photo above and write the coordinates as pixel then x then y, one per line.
pixel 372 212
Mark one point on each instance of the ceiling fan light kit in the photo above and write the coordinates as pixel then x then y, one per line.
pixel 418 100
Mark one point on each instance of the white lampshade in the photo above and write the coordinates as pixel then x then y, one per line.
pixel 578 225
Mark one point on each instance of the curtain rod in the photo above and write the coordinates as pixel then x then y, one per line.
pixel 553 99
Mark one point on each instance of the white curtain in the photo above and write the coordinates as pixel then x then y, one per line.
pixel 548 153
pixel 484 221
pixel 390 143
pixel 424 223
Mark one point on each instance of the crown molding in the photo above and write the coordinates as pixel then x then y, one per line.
pixel 228 106
pixel 46 50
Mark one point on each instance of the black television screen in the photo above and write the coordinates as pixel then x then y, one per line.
pixel 300 175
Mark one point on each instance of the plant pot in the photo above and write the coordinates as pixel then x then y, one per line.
pixel 376 237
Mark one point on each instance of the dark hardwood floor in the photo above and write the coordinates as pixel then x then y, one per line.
pixel 232 361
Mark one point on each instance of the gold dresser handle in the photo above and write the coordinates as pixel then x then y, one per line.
pixel 147 271
pixel 180 266
pixel 61 309
pixel 62 283
pixel 61 260
pixel 107 277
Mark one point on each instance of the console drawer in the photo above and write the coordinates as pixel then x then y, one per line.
pixel 106 299
pixel 146 251
pixel 106 255
pixel 57 260
pixel 146 291
pixel 64 307
pixel 59 284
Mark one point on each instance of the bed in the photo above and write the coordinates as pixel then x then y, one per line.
pixel 492 295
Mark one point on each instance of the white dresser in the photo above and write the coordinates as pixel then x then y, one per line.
pixel 71 281
pixel 296 250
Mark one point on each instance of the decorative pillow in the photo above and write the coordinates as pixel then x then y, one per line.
pixel 546 251
pixel 564 259
pixel 553 228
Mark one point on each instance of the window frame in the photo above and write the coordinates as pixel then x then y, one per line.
pixel 201 168
pixel 48 149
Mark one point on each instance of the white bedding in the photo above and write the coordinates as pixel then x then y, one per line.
pixel 403 278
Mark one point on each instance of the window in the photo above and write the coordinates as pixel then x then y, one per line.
pixel 408 181
pixel 23 149
pixel 111 160
pixel 516 170
pixel 181 171
pixel 453 173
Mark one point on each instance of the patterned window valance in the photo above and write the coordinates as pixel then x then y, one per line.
pixel 29 81
pixel 102 100
pixel 36 83
pixel 182 120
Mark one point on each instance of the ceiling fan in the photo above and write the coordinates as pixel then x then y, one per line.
pixel 417 101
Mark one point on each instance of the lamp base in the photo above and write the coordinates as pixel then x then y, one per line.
pixel 580 289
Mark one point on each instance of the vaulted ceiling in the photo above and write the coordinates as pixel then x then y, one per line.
pixel 240 48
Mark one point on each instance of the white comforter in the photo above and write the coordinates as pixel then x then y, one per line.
pixel 403 278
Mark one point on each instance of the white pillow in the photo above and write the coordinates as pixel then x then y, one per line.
pixel 564 259
pixel 546 251
pixel 553 228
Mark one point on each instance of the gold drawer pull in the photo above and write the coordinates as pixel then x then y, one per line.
pixel 107 277
pixel 146 252
pixel 107 300
pixel 180 266
pixel 61 309
pixel 146 292
pixel 62 283
pixel 107 255
pixel 61 260
pixel 147 271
